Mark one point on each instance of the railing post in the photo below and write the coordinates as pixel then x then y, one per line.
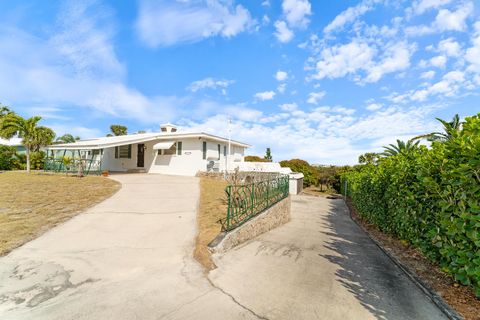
pixel 228 190
pixel 253 198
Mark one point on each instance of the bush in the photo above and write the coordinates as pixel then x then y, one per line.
pixel 310 173
pixel 431 198
pixel 255 159
pixel 6 157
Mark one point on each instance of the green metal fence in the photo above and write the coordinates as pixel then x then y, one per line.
pixel 247 201
pixel 90 166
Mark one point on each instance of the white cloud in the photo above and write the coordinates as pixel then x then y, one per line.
pixel 448 87
pixel 446 20
pixel 315 97
pixel 421 6
pixel 265 95
pixel 454 20
pixel 296 12
pixel 166 23
pixel 349 15
pixel 438 61
pixel 358 56
pixel 396 58
pixel 209 83
pixel 282 87
pixel 339 60
pixel 450 47
pixel 374 106
pixel 427 74
pixel 472 54
pixel 289 106
pixel 283 33
pixel 281 75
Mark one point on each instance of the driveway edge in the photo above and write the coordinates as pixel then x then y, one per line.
pixel 439 302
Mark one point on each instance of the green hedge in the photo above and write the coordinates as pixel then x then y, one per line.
pixel 429 197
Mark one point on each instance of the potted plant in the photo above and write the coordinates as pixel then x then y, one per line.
pixel 105 173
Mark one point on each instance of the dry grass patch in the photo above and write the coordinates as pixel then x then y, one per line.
pixel 30 204
pixel 212 208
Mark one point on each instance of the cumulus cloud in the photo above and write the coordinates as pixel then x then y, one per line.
pixel 281 75
pixel 374 106
pixel 350 15
pixel 295 13
pixel 283 33
pixel 450 47
pixel 209 83
pixel 166 23
pixel 421 6
pixel 315 97
pixel 427 74
pixel 265 95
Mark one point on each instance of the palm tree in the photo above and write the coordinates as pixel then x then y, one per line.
pixel 67 138
pixel 401 147
pixel 118 130
pixel 33 136
pixel 449 129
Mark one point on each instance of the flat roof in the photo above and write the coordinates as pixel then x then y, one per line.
pixel 115 141
pixel 13 142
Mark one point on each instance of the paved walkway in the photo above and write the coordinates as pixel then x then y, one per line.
pixel 131 258
pixel 320 265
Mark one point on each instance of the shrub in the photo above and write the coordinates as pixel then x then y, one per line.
pixel 6 157
pixel 431 198
pixel 310 173
pixel 255 159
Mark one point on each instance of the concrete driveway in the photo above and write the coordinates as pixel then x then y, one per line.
pixel 129 257
pixel 320 265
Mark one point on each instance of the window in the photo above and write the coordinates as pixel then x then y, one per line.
pixel 123 152
pixel 204 150
pixel 179 148
pixel 224 151
pixel 168 152
pixel 218 152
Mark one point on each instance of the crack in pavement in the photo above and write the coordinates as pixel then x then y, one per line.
pixel 184 305
pixel 236 301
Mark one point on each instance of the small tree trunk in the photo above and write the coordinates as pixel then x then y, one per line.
pixel 27 148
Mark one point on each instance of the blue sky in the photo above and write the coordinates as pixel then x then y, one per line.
pixel 319 80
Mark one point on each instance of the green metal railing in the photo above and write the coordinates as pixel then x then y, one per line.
pixel 247 201
pixel 58 165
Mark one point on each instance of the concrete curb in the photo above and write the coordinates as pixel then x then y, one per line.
pixel 439 302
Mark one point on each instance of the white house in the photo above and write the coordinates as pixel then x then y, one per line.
pixel 168 151
pixel 13 142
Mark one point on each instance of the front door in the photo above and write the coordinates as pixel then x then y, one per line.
pixel 141 155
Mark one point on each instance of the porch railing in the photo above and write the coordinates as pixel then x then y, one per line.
pixel 59 165
pixel 247 201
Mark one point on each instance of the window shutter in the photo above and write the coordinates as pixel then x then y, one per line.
pixel 116 152
pixel 204 150
pixel 129 151
pixel 219 152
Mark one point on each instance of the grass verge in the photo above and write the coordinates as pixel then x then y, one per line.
pixel 212 208
pixel 31 204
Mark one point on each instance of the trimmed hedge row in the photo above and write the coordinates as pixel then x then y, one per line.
pixel 429 197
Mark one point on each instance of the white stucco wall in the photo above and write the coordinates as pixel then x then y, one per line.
pixel 188 163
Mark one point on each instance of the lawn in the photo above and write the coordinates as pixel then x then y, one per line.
pixel 30 204
pixel 212 208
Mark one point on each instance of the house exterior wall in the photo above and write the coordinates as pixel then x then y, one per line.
pixel 188 163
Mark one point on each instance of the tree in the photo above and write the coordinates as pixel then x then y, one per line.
pixel 449 129
pixel 310 173
pixel 33 136
pixel 400 148
pixel 254 159
pixel 369 158
pixel 67 138
pixel 118 130
pixel 268 155
pixel 4 111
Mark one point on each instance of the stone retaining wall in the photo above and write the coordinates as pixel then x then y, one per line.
pixel 271 218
